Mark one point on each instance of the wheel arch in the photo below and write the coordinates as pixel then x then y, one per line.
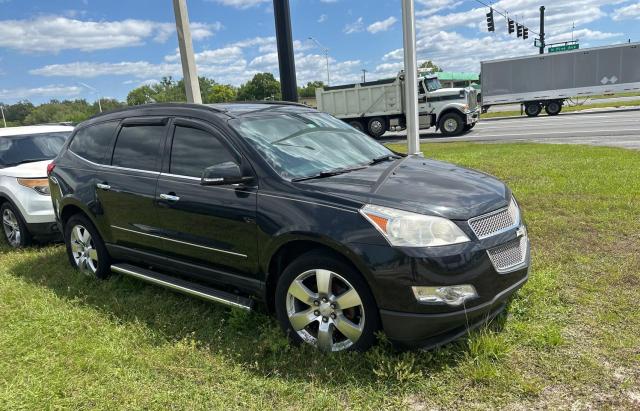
pixel 290 247
pixel 72 206
pixel 450 109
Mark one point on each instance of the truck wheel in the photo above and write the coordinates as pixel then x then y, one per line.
pixel 376 127
pixel 553 108
pixel 451 124
pixel 532 109
pixel 357 125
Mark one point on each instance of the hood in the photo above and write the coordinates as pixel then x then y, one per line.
pixel 36 169
pixel 422 186
pixel 454 91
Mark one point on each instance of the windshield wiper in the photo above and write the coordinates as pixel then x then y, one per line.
pixel 382 159
pixel 328 173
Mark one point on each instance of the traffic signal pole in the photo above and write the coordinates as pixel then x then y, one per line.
pixel 541 29
pixel 189 72
pixel 286 62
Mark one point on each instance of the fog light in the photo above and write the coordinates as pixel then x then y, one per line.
pixel 451 295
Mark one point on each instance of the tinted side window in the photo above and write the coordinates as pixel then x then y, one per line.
pixel 92 142
pixel 194 150
pixel 138 147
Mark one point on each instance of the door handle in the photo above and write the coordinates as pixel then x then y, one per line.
pixel 169 197
pixel 103 186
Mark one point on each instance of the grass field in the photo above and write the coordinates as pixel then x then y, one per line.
pixel 570 338
pixel 566 109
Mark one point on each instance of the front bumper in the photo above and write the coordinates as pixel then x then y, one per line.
pixel 45 231
pixel 433 330
pixel 473 116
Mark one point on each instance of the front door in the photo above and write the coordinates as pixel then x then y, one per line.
pixel 208 225
pixel 127 187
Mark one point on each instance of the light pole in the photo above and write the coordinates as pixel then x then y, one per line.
pixel 326 56
pixel 189 72
pixel 4 120
pixel 410 76
pixel 85 85
pixel 364 75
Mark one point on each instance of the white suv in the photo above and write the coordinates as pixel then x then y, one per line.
pixel 25 200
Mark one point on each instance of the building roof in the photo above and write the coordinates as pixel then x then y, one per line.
pixel 457 76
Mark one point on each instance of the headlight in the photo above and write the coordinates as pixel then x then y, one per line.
pixel 405 229
pixel 40 185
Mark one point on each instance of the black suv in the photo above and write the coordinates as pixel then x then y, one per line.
pixel 335 233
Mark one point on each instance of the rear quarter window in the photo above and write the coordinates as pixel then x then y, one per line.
pixel 137 147
pixel 92 143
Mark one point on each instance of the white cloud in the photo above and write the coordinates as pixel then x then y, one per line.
pixel 354 27
pixel 383 25
pixel 50 91
pixel 322 18
pixel 434 6
pixel 631 11
pixel 240 4
pixel 328 1
pixel 55 33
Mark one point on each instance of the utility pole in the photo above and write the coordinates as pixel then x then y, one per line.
pixel 364 75
pixel 189 71
pixel 95 90
pixel 541 29
pixel 410 76
pixel 4 120
pixel 326 56
pixel 286 62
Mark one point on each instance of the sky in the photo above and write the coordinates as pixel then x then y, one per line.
pixel 104 48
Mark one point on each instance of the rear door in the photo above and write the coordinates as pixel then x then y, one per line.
pixel 208 225
pixel 128 187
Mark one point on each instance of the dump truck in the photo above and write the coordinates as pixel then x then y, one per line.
pixel 545 81
pixel 376 107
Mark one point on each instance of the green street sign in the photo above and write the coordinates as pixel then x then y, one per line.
pixel 566 47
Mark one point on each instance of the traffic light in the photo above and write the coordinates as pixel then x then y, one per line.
pixel 511 25
pixel 525 33
pixel 490 24
pixel 519 30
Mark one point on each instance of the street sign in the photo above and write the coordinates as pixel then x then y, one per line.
pixel 566 47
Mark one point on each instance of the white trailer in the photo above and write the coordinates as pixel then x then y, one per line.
pixel 547 80
pixel 378 106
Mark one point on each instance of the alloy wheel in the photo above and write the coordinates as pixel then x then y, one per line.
pixel 325 310
pixel 11 228
pixel 451 125
pixel 83 250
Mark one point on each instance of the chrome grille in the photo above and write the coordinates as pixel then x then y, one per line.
pixel 472 99
pixel 496 222
pixel 509 256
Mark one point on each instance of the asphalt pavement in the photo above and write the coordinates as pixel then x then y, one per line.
pixel 614 128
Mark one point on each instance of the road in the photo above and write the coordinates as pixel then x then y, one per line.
pixel 619 128
pixel 613 100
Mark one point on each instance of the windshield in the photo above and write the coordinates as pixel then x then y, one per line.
pixel 433 84
pixel 301 145
pixel 31 147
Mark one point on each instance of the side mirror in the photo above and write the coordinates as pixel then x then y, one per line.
pixel 223 174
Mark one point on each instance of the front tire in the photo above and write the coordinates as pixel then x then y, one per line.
pixel 14 228
pixel 452 124
pixel 85 248
pixel 322 301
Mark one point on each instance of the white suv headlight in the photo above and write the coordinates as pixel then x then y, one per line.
pixel 405 229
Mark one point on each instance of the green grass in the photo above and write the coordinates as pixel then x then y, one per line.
pixel 565 109
pixel 569 337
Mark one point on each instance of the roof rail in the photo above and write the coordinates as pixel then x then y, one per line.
pixel 150 105
pixel 275 102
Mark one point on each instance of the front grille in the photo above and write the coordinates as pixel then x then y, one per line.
pixel 509 256
pixel 472 99
pixel 496 222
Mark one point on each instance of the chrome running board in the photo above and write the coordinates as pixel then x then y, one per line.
pixel 183 286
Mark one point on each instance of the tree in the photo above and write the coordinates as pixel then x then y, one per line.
pixel 57 111
pixel 263 86
pixel 107 104
pixel 169 90
pixel 310 89
pixel 16 113
pixel 431 66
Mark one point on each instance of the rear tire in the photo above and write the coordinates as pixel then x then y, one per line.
pixel 85 248
pixel 357 125
pixel 532 109
pixel 14 229
pixel 376 127
pixel 452 124
pixel 329 302
pixel 553 108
